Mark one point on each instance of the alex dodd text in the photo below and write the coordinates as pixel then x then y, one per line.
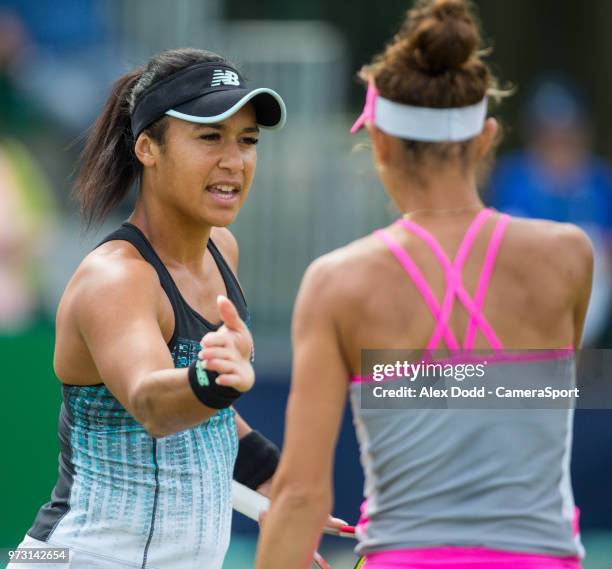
pixel 474 392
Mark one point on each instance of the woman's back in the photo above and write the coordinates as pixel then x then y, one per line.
pixel 458 473
pixel 532 300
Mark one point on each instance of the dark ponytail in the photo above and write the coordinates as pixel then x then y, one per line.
pixel 108 166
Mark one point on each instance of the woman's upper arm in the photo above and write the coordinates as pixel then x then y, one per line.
pixel 318 387
pixel 580 243
pixel 116 308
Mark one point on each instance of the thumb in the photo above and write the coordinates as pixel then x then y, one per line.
pixel 229 314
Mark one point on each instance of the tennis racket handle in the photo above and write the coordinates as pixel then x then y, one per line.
pixel 252 505
pixel 248 502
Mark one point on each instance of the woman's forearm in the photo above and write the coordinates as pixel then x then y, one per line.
pixel 172 400
pixel 292 529
pixel 164 403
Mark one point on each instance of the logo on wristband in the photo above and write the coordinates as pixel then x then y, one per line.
pixel 202 375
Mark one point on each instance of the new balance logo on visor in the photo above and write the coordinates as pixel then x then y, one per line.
pixel 224 77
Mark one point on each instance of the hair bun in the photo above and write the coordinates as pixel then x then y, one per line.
pixel 434 60
pixel 443 35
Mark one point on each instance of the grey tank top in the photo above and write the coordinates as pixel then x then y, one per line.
pixel 494 478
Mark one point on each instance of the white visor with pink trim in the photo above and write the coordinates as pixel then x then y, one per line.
pixel 421 123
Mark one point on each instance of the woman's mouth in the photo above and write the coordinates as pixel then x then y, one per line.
pixel 224 192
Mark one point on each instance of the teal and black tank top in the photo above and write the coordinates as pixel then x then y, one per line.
pixel 127 499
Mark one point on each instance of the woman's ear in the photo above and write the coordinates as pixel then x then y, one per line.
pixel 486 139
pixel 144 150
pixel 380 144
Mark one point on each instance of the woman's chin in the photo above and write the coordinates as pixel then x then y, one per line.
pixel 220 219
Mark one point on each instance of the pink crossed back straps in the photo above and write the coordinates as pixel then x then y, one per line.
pixel 454 282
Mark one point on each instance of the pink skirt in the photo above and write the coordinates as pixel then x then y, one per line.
pixel 466 558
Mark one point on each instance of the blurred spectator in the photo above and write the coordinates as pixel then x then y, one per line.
pixel 69 59
pixel 27 208
pixel 26 218
pixel 557 177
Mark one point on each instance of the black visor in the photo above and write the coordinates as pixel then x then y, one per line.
pixel 206 93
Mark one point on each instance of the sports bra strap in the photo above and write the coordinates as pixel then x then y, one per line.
pixel 454 281
pixel 485 276
pixel 452 270
pixel 419 281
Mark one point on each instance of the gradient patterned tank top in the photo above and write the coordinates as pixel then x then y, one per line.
pixel 464 487
pixel 127 499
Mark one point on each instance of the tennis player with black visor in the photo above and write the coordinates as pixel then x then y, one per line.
pixel 152 339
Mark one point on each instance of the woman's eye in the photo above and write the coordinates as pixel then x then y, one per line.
pixel 251 140
pixel 211 136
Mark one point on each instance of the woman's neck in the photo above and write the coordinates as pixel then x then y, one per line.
pixel 174 238
pixel 444 190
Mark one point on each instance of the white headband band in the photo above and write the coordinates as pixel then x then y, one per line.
pixel 422 123
pixel 430 125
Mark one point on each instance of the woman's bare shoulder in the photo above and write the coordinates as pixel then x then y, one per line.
pixel 114 269
pixel 343 275
pixel 558 243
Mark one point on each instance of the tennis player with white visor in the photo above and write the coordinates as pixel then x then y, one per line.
pixel 445 488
